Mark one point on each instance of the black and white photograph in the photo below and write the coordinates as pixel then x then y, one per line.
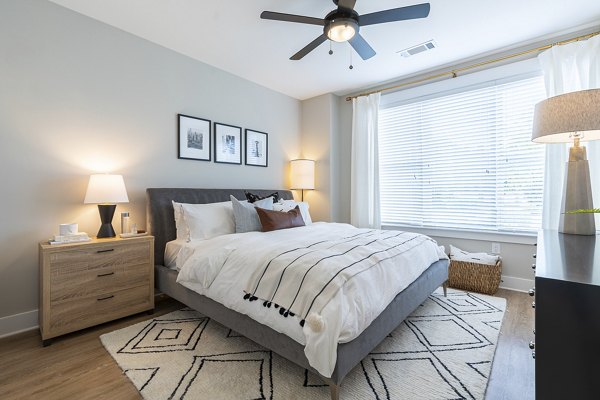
pixel 193 138
pixel 257 148
pixel 228 144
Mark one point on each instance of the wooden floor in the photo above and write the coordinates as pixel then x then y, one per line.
pixel 76 366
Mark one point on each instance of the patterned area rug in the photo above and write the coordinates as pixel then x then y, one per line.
pixel 444 350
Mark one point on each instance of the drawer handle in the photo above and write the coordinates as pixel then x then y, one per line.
pixel 105 251
pixel 531 292
pixel 106 298
pixel 533 304
pixel 533 266
pixel 535 256
pixel 107 274
pixel 532 345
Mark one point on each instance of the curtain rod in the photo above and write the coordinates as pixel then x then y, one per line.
pixel 453 73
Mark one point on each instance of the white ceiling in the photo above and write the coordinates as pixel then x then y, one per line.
pixel 229 35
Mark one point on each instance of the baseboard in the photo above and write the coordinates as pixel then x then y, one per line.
pixel 13 324
pixel 23 322
pixel 516 284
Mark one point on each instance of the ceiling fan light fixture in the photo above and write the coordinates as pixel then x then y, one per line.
pixel 342 29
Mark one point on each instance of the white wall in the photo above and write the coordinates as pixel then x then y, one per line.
pixel 78 97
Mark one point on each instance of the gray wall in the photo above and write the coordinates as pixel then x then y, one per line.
pixel 78 97
pixel 317 131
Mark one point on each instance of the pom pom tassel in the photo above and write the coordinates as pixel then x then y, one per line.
pixel 315 322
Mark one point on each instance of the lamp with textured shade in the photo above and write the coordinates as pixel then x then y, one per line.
pixel 573 117
pixel 303 175
pixel 106 190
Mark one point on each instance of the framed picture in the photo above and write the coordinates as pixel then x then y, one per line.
pixel 193 138
pixel 257 148
pixel 228 144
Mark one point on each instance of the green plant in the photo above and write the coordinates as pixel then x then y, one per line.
pixel 582 211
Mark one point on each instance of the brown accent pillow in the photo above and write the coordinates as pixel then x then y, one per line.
pixel 274 220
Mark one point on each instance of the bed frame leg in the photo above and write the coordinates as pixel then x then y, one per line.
pixel 335 391
pixel 445 287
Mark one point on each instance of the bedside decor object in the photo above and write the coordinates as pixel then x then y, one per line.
pixel 228 144
pixel 68 229
pixel 257 148
pixel 573 117
pixel 106 190
pixel 302 173
pixel 125 219
pixel 193 138
pixel 85 284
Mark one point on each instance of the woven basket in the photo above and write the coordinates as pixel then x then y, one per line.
pixel 474 277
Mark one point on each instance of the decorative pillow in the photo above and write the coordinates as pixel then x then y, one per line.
pixel 251 197
pixel 206 221
pixel 183 231
pixel 274 220
pixel 245 216
pixel 287 205
pixel 478 258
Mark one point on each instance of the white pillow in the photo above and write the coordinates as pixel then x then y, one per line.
pixel 478 258
pixel 206 221
pixel 183 232
pixel 287 205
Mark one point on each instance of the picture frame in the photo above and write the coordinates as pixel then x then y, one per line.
pixel 193 138
pixel 257 148
pixel 228 143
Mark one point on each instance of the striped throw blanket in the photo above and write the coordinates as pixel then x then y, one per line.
pixel 301 280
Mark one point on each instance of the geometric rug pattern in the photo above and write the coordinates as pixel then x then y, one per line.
pixel 444 350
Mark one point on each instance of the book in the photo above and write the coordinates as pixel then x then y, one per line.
pixel 74 238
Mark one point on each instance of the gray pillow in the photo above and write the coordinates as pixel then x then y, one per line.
pixel 245 216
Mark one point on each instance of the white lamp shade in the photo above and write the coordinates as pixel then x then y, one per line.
pixel 557 118
pixel 302 174
pixel 106 189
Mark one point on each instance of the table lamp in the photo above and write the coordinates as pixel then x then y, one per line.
pixel 303 175
pixel 561 119
pixel 106 190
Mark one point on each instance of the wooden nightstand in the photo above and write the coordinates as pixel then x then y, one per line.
pixel 85 284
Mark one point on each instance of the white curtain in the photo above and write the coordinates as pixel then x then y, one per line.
pixel 569 68
pixel 364 196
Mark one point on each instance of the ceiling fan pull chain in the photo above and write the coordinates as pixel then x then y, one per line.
pixel 330 50
pixel 351 66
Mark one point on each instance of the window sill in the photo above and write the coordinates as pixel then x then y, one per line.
pixel 517 238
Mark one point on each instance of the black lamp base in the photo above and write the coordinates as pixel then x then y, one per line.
pixel 107 212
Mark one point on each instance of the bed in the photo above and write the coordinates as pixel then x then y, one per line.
pixel 161 225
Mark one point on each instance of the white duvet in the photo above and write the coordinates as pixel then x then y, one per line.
pixel 222 267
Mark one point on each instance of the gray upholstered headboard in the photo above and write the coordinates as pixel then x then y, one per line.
pixel 160 221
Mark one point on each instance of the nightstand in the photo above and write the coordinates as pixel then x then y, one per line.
pixel 85 284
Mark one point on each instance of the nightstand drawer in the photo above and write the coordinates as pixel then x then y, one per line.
pixel 89 283
pixel 98 257
pixel 82 313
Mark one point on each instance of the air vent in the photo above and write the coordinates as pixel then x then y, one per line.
pixel 411 51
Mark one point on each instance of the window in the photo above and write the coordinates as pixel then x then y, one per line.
pixel 464 160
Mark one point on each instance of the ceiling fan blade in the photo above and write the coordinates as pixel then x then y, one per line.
pixel 309 47
pixel 396 14
pixel 301 19
pixel 364 50
pixel 347 4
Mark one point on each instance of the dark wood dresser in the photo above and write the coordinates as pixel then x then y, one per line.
pixel 566 347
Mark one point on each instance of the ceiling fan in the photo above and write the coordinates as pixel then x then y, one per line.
pixel 343 24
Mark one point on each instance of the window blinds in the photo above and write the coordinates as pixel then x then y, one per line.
pixel 464 161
